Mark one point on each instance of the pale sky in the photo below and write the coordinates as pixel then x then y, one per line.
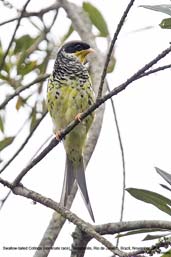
pixel 144 116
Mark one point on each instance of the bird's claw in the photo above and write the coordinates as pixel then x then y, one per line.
pixel 78 116
pixel 58 135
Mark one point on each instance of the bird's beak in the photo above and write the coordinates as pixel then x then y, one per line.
pixel 82 54
pixel 89 51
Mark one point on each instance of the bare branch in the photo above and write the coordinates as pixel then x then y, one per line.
pixel 161 68
pixel 13 36
pixel 120 25
pixel 118 227
pixel 67 214
pixel 22 88
pixel 52 144
pixel 91 231
pixel 125 226
pixel 2 201
pixel 80 241
pixel 30 14
pixel 123 161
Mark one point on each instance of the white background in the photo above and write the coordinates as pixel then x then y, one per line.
pixel 144 115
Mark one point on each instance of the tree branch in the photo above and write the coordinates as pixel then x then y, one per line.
pixel 2 201
pixel 125 226
pixel 120 25
pixel 22 88
pixel 97 231
pixel 82 239
pixel 123 161
pixel 161 68
pixel 67 214
pixel 13 36
pixel 30 14
pixel 23 144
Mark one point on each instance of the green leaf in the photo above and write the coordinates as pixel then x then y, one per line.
pixel 111 65
pixel 5 142
pixel 139 231
pixel 4 77
pixel 152 237
pixel 20 103
pixel 6 66
pixel 33 119
pixel 25 68
pixel 23 43
pixel 164 175
pixel 68 34
pixel 165 23
pixel 164 8
pixel 1 124
pixel 42 67
pixel 96 18
pixel 153 198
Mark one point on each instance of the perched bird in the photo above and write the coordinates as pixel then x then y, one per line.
pixel 69 94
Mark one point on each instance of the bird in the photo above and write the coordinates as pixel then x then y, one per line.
pixel 69 93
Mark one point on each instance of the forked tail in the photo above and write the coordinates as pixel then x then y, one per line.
pixel 70 176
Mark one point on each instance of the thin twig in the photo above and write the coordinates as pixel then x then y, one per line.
pixel 8 21
pixel 22 88
pixel 98 103
pixel 120 25
pixel 2 201
pixel 23 144
pixel 40 148
pixel 51 145
pixel 8 4
pixel 29 14
pixel 161 68
pixel 54 19
pixel 123 162
pixel 13 36
pixel 154 249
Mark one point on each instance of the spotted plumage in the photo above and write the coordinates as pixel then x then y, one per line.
pixel 70 93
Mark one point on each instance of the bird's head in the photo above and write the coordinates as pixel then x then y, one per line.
pixel 77 49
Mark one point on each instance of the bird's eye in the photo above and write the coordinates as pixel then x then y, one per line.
pixel 78 47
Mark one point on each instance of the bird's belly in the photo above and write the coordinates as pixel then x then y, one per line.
pixel 66 105
pixel 66 102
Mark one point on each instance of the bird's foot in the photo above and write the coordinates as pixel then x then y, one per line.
pixel 78 116
pixel 58 135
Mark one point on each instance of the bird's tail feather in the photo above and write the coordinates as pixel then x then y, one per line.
pixel 69 178
pixel 81 181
